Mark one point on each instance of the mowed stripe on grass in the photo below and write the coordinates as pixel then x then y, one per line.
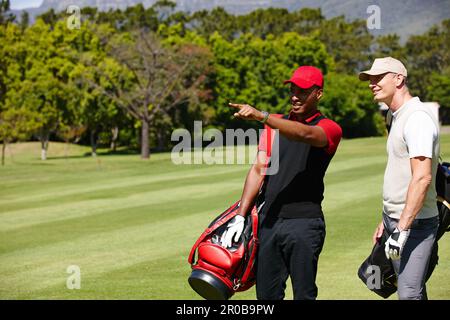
pixel 129 224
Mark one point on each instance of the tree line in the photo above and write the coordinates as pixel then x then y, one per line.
pixel 130 77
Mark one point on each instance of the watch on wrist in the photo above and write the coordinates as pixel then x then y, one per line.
pixel 266 116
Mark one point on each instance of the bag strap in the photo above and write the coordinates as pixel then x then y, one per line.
pixel 229 214
pixel 269 143
pixel 443 201
pixel 269 139
pixel 249 266
pixel 269 132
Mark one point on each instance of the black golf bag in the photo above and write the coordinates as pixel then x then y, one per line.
pixel 377 258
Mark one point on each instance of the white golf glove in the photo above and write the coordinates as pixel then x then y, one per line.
pixel 235 227
pixel 395 244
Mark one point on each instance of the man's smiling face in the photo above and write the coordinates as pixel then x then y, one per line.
pixel 304 101
pixel 383 86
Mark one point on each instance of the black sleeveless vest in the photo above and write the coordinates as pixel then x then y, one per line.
pixel 296 191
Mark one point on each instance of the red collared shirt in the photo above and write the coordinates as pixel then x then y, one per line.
pixel 332 130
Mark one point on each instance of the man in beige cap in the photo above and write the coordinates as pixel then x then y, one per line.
pixel 410 215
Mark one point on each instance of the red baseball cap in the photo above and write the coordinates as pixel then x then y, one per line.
pixel 306 76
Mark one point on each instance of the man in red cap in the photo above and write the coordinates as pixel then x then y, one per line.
pixel 292 227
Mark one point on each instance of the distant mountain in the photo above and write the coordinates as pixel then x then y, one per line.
pixel 404 17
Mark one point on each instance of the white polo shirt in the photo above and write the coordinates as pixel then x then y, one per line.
pixel 414 132
pixel 420 132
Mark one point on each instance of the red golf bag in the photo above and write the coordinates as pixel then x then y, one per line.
pixel 220 272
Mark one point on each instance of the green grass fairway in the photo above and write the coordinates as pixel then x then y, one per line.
pixel 130 224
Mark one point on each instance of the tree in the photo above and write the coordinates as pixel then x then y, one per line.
pixel 16 121
pixel 438 89
pixel 307 20
pixel 90 108
pixel 40 81
pixel 16 124
pixel 218 20
pixel 9 38
pixel 164 9
pixel 389 45
pixel 427 54
pixel 263 22
pixel 5 16
pixel 350 103
pixel 347 42
pixel 148 79
pixel 24 20
pixel 50 17
pixel 252 70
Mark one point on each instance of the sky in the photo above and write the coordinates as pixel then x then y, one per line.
pixel 20 4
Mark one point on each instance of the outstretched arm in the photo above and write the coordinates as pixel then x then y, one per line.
pixel 313 135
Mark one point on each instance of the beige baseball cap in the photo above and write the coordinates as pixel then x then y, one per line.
pixel 384 65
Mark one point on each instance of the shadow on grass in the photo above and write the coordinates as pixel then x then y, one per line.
pixel 120 152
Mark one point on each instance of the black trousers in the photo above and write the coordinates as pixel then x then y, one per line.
pixel 289 247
